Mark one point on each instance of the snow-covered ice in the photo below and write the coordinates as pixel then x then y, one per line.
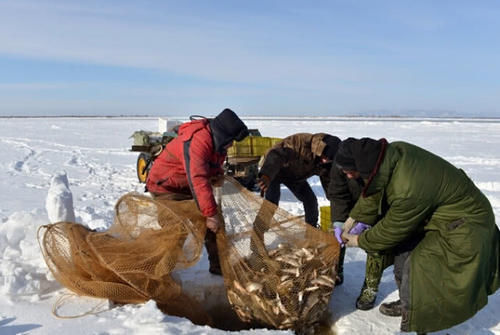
pixel 54 168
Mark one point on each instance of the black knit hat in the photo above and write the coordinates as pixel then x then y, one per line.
pixel 344 158
pixel 358 155
pixel 332 144
pixel 227 127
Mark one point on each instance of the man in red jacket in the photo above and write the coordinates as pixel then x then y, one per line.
pixel 190 162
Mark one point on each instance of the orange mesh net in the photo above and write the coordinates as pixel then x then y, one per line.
pixel 278 271
pixel 133 260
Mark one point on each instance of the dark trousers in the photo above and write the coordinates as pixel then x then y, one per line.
pixel 302 191
pixel 402 255
pixel 211 245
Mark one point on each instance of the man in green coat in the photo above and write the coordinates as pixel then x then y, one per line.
pixel 438 224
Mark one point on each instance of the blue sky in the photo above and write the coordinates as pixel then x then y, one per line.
pixel 258 57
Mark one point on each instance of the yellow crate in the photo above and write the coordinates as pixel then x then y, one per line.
pixel 275 140
pixel 251 146
pixel 325 221
pixel 261 145
pixel 242 148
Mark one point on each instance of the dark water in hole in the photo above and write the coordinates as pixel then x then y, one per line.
pixel 225 318
pixel 325 327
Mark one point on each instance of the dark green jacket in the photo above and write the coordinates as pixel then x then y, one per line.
pixel 456 265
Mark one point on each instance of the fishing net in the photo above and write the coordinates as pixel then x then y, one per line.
pixel 131 262
pixel 278 271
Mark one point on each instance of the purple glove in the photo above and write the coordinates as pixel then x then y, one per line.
pixel 338 235
pixel 358 228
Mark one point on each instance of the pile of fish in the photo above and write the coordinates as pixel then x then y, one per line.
pixel 290 291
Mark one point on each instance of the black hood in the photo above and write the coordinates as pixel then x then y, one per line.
pixel 359 155
pixel 332 145
pixel 226 128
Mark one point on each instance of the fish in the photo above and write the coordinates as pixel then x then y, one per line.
pixel 284 278
pixel 281 306
pixel 238 286
pixel 252 287
pixel 289 260
pixel 323 280
pixel 290 271
pixel 309 255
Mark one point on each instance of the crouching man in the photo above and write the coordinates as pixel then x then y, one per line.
pixel 291 162
pixel 189 163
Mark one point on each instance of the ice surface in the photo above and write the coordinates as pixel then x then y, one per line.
pixel 55 165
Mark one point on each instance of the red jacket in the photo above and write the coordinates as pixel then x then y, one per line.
pixel 186 165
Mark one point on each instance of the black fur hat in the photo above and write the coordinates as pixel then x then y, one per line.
pixel 227 127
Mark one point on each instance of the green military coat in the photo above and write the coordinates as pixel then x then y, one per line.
pixel 456 265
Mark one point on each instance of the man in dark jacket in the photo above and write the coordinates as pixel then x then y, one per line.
pixel 343 194
pixel 189 164
pixel 440 226
pixel 291 162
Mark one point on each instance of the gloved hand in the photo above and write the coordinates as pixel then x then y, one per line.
pixel 263 182
pixel 338 235
pixel 217 181
pixel 338 227
pixel 348 224
pixel 359 228
pixel 351 231
pixel 213 222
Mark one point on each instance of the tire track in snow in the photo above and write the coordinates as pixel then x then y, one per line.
pixel 19 165
pixel 58 147
pixel 98 183
pixel 89 171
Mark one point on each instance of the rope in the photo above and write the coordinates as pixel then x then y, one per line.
pixel 97 309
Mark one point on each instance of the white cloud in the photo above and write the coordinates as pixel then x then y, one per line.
pixel 186 45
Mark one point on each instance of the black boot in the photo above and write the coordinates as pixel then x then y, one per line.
pixel 391 308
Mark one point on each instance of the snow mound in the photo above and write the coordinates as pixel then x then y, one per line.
pixel 59 201
pixel 22 268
